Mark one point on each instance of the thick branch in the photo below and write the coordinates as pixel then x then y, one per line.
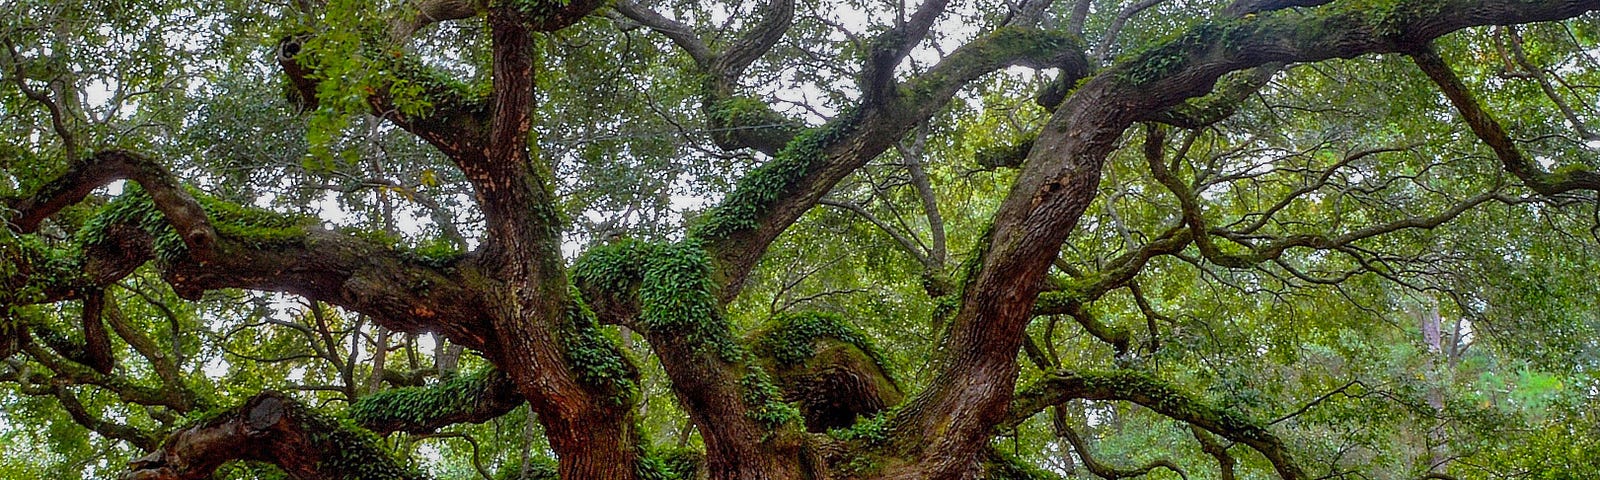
pixel 1489 130
pixel 271 427
pixel 1060 180
pixel 773 196
pixel 1159 397
pixel 428 12
pixel 181 210
pixel 399 291
pixel 470 398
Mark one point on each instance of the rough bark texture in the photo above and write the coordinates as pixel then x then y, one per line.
pixel 272 428
pixel 512 300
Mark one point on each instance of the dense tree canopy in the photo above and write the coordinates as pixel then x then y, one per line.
pixel 653 239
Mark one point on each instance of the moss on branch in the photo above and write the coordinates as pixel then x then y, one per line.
pixel 475 397
pixel 763 187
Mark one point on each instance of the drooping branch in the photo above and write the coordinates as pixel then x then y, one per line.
pixel 1110 472
pixel 682 35
pixel 456 121
pixel 1159 397
pixel 1539 75
pixel 1494 135
pixel 1209 445
pixel 274 428
pixel 108 428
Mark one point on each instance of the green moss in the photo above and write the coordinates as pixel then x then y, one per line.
pixel 346 450
pixel 418 405
pixel 349 451
pixel 762 187
pixel 765 402
pixel 744 112
pixel 674 290
pixel 134 208
pixel 789 340
pixel 29 268
pixel 436 252
pixel 1007 155
pixel 595 356
pixel 1166 56
pixel 674 287
pixel 250 226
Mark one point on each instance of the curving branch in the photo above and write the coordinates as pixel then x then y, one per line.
pixel 274 428
pixel 180 209
pixel 251 249
pixel 1109 472
pixel 1159 397
pixel 891 47
pixel 1059 181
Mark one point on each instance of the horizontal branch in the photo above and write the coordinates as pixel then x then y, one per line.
pixel 470 398
pixel 230 246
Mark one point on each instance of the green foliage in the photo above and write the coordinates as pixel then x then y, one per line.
pixel 1005 466
pixel 674 288
pixel 765 402
pixel 757 191
pixel 790 338
pixel 349 451
pixel 418 405
pixel 669 464
pixel 873 430
pixel 537 470
pixel 595 355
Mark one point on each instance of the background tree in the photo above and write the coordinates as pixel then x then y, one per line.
pixel 1305 239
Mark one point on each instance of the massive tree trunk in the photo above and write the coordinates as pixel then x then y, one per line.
pixel 515 300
